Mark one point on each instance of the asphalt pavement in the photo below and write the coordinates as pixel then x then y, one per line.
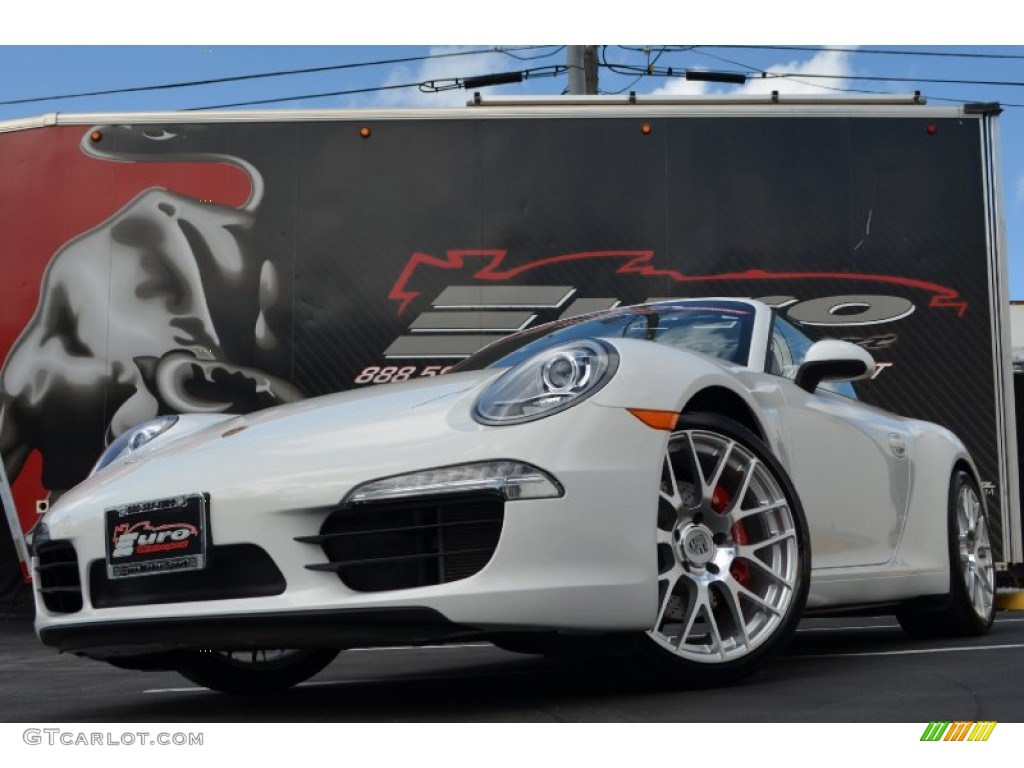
pixel 836 670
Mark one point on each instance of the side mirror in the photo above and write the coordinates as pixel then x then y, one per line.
pixel 834 360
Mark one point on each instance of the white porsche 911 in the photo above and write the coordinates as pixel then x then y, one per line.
pixel 676 482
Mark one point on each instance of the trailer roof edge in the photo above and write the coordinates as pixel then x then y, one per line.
pixel 533 107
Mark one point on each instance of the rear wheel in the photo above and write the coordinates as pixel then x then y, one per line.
pixel 969 607
pixel 254 671
pixel 733 556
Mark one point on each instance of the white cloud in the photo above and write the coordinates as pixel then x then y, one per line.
pixel 825 62
pixel 681 87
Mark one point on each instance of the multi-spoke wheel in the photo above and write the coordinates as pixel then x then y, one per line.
pixel 733 556
pixel 969 607
pixel 254 671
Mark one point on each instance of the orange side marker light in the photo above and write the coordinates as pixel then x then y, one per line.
pixel 665 420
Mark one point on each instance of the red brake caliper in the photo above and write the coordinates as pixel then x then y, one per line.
pixel 720 501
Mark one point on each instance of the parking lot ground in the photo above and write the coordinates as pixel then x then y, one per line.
pixel 836 670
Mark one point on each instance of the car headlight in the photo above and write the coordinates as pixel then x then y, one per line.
pixel 547 383
pixel 133 439
pixel 512 479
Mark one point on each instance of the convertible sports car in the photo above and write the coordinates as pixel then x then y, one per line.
pixel 675 482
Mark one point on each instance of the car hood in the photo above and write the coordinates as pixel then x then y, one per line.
pixel 321 442
pixel 350 411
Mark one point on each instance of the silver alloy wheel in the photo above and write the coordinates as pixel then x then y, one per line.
pixel 968 608
pixel 728 550
pixel 977 566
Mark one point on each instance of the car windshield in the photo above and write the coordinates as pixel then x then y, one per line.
pixel 720 329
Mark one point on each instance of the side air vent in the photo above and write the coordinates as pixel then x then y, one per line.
pixel 57 572
pixel 410 543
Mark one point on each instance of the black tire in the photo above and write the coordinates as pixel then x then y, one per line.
pixel 253 671
pixel 968 609
pixel 722 612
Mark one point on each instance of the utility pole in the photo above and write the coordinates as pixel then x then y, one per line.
pixel 590 68
pixel 582 63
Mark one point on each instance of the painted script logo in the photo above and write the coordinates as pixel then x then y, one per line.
pixel 143 538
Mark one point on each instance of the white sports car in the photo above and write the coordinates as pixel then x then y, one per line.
pixel 677 482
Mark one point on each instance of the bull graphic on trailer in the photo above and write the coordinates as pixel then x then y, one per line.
pixel 174 264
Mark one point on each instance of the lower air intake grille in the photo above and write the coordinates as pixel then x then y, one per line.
pixel 57 572
pixel 414 543
pixel 235 571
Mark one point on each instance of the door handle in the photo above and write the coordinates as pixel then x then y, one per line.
pixel 897 445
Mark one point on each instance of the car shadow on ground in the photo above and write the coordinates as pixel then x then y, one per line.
pixel 488 685
pixel 828 674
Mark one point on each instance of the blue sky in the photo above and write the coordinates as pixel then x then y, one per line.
pixel 31 71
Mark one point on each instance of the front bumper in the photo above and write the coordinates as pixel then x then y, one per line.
pixel 582 562
pixel 293 629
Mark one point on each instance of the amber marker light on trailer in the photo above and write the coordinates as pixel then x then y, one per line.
pixel 364 132
pixel 646 129
pixel 665 420
pixel 96 136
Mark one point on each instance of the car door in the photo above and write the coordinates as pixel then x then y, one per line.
pixel 849 461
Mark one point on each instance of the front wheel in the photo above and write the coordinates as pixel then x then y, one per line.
pixel 733 556
pixel 254 671
pixel 969 607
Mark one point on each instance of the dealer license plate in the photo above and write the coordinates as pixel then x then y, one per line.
pixel 162 536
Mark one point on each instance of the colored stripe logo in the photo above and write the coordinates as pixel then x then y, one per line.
pixel 958 731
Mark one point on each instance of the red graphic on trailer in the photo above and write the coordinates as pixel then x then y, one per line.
pixel 639 263
pixel 144 279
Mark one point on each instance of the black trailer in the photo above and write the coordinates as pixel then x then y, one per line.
pixel 227 262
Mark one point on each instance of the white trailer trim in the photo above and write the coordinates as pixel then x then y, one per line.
pixel 535 108
pixel 1002 374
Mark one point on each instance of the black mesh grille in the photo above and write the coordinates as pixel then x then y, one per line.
pixel 415 543
pixel 57 572
pixel 234 571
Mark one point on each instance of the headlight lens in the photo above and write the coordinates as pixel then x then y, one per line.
pixel 133 439
pixel 513 479
pixel 547 383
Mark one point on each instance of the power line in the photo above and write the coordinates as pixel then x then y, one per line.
pixel 840 49
pixel 281 73
pixel 439 84
pixel 794 78
pixel 838 89
pixel 507 52
pixel 256 102
pixel 427 86
pixel 881 51
pixel 631 69
pixel 650 64
pixel 884 79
